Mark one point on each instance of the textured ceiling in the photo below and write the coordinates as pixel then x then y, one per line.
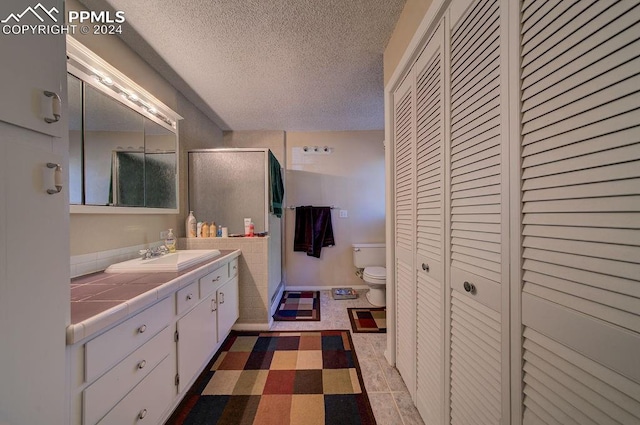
pixel 297 65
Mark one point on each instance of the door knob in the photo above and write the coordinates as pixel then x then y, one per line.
pixel 469 287
pixel 425 267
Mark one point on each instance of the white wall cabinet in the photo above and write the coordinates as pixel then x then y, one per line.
pixel 34 265
pixel 32 64
pixel 515 205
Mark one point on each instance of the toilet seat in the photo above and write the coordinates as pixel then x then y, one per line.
pixel 375 275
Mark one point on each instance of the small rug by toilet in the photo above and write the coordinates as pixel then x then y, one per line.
pixel 279 378
pixel 368 320
pixel 299 306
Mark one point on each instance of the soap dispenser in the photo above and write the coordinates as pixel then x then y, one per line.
pixel 170 242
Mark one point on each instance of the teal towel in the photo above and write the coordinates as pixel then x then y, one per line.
pixel 277 188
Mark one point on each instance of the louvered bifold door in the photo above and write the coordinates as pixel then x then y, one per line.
pixel 581 211
pixel 430 366
pixel 479 225
pixel 404 221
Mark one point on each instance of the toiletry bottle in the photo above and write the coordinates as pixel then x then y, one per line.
pixel 170 242
pixel 199 229
pixel 252 229
pixel 205 230
pixel 247 223
pixel 212 230
pixel 191 225
pixel 219 233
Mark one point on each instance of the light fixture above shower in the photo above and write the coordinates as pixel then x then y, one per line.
pixel 317 150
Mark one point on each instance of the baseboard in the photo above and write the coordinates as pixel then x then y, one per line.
pixel 253 326
pixel 276 302
pixel 323 287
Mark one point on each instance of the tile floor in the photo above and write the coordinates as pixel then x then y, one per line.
pixel 390 400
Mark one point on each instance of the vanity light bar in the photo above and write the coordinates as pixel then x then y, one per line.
pixel 131 96
pixel 119 83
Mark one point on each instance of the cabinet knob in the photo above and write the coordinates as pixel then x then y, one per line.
pixel 142 364
pixel 189 297
pixel 425 267
pixel 142 414
pixel 235 267
pixel 469 287
pixel 142 328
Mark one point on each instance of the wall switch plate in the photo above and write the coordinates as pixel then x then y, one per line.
pixel 344 213
pixel 164 234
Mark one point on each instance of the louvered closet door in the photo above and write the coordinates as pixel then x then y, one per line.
pixel 479 219
pixel 405 275
pixel 430 365
pixel 581 212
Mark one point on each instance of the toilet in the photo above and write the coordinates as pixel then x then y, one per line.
pixel 371 257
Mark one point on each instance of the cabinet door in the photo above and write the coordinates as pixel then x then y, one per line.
pixel 228 307
pixel 31 65
pixel 430 187
pixel 479 216
pixel 196 340
pixel 34 271
pixel 405 274
pixel 581 213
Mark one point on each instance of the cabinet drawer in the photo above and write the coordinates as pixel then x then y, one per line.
pixel 109 348
pixel 147 402
pixel 233 267
pixel 210 282
pixel 105 393
pixel 186 298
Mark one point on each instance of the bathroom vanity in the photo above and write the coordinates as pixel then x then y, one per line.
pixel 134 359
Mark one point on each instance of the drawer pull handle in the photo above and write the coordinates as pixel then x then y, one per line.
pixel 142 414
pixel 189 297
pixel 222 296
pixel 425 267
pixel 57 178
pixel 142 328
pixel 142 364
pixel 235 267
pixel 469 287
pixel 214 304
pixel 55 107
pixel 216 279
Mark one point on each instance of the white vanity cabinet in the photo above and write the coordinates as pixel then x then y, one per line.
pixel 203 329
pixel 138 369
pixel 228 307
pixel 117 361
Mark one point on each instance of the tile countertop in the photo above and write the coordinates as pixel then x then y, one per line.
pixel 99 300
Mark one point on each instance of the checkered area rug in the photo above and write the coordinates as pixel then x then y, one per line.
pixel 299 306
pixel 280 378
pixel 372 320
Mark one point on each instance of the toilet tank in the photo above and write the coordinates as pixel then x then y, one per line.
pixel 369 254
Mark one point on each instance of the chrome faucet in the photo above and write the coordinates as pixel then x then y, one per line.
pixel 145 254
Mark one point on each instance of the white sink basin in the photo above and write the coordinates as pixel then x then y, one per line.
pixel 174 262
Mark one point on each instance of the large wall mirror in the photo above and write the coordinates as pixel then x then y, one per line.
pixel 123 148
